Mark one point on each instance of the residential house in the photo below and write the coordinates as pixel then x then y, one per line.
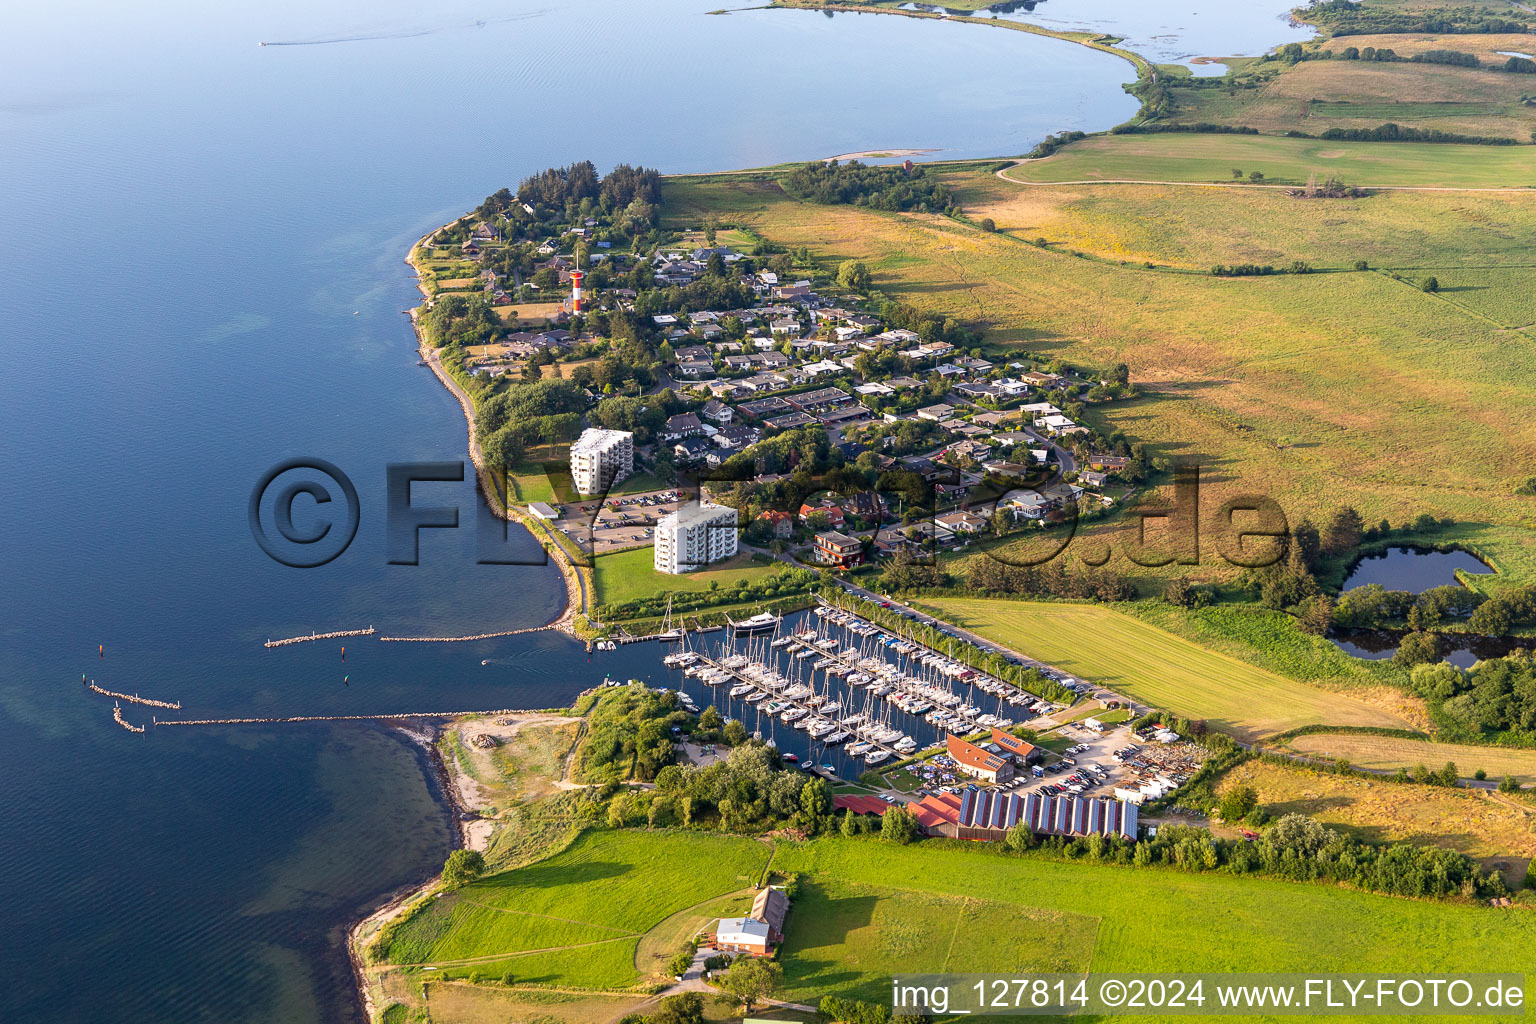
pixel 718 412
pixel 936 412
pixel 833 548
pixel 834 514
pixel 962 522
pixel 781 523
pixel 684 424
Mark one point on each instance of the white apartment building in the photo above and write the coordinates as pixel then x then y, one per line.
pixel 694 536
pixel 601 458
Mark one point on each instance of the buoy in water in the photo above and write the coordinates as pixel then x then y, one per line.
pixel 485 662
pixel 101 651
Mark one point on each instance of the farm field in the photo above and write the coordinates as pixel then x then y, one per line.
pixel 628 575
pixel 1320 94
pixel 1390 752
pixel 1411 232
pixel 577 918
pixel 877 931
pixel 1109 648
pixel 1210 158
pixel 1272 384
pixel 1494 831
pixel 1244 924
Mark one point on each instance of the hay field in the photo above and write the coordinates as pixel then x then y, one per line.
pixel 1389 752
pixel 1111 649
pixel 1497 833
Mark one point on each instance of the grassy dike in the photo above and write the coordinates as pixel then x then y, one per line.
pixel 1092 40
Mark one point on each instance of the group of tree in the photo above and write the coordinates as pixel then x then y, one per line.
pixel 854 183
pixel 751 790
pixel 536 412
pixel 558 186
pixel 1353 18
pixel 1296 848
pixel 1391 132
pixel 1495 695
pixel 629 735
pixel 1053 579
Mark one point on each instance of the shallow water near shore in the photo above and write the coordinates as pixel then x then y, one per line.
pixel 206 279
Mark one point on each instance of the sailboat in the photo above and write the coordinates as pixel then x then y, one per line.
pixel 669 634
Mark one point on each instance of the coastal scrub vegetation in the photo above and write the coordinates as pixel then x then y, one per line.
pixel 899 187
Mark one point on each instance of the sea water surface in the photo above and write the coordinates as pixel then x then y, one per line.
pixel 204 278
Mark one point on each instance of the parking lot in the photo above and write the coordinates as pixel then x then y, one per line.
pixel 621 522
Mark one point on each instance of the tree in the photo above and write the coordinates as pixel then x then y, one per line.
pixel 1449 775
pixel 1509 785
pixel 850 827
pixel 815 803
pixel 1417 648
pixel 686 1008
pixel 1179 592
pixel 1315 615
pixel 1237 172
pixel 463 866
pixel 898 826
pixel 1256 177
pixel 751 978
pixel 988 225
pixel 1344 532
pixel 1238 802
pixel 1431 285
pixel 1309 544
pixel 680 962
pixel 854 276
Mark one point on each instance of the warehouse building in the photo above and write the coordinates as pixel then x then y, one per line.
pixel 988 815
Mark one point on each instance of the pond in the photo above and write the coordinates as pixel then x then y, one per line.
pixel 1461 650
pixel 1413 569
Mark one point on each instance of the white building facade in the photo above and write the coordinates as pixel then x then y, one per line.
pixel 694 536
pixel 601 458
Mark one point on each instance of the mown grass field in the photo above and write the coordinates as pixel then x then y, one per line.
pixel 850 937
pixel 1492 830
pixel 1111 649
pixel 1319 389
pixel 1211 158
pixel 1167 920
pixel 628 575
pixel 1388 752
pixel 576 919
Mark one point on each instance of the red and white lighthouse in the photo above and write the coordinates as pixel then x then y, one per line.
pixel 577 276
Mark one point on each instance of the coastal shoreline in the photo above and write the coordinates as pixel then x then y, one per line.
pixel 576 588
pixel 425 745
pixel 576 601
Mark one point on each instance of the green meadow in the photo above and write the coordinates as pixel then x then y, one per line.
pixel 1142 920
pixel 576 918
pixel 1211 158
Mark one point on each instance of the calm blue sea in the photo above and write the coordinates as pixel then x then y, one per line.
pixel 203 277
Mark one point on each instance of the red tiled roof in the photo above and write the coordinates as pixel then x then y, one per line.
pixel 1011 743
pixel 969 753
pixel 860 804
pixel 936 809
